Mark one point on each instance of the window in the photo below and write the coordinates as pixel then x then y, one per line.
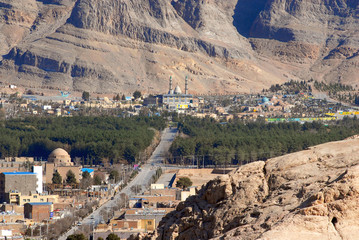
pixel 149 222
pixel 35 196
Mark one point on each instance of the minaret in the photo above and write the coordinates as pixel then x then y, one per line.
pixel 170 84
pixel 186 86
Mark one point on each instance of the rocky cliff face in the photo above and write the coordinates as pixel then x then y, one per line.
pixel 223 46
pixel 311 194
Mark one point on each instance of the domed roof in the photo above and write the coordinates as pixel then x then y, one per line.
pixel 178 90
pixel 58 152
pixel 60 158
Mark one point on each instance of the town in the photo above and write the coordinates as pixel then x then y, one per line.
pixel 56 196
pixel 293 101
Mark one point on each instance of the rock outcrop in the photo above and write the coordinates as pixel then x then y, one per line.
pixel 223 46
pixel 312 194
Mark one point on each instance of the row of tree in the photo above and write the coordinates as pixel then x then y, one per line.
pixel 90 139
pixel 205 141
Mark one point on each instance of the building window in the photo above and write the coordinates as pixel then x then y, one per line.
pixel 149 222
pixel 35 196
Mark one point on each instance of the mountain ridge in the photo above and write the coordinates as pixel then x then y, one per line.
pixel 223 46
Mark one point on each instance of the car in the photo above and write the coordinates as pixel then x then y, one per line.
pixel 112 198
pixel 79 224
pixel 92 217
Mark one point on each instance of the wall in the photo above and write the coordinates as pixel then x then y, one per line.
pixel 37 212
pixel 22 183
pixel 38 171
pixel 75 169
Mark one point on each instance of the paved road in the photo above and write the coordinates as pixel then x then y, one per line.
pixel 143 178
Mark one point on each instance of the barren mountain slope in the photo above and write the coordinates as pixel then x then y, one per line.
pixel 223 46
pixel 321 36
pixel 311 194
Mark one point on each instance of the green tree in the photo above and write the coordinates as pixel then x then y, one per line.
pixel 86 174
pixel 86 96
pixel 184 182
pixel 130 154
pixel 70 177
pixel 123 98
pixel 114 175
pixel 56 178
pixel 356 101
pixel 113 236
pixel 137 94
pixel 76 237
pixel 97 180
pixel 86 180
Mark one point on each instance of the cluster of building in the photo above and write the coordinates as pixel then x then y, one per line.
pixel 144 212
pixel 24 196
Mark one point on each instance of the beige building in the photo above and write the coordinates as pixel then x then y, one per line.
pixel 60 161
pixel 19 159
pixel 20 199
pixel 182 195
pixel 60 158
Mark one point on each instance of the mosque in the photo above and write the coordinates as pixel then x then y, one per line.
pixel 175 99
pixel 60 161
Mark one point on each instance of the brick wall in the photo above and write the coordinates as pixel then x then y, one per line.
pixel 37 212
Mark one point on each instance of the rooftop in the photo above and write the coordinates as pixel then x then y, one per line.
pixel 89 170
pixel 40 203
pixel 19 173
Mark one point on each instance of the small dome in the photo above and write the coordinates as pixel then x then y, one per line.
pixel 60 157
pixel 178 90
pixel 58 152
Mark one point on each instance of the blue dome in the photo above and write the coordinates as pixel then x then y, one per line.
pixel 265 100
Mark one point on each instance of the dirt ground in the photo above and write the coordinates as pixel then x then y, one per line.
pixel 200 176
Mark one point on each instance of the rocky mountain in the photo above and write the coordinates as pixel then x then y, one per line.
pixel 224 46
pixel 312 194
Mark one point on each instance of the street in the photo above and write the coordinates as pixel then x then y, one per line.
pixel 143 178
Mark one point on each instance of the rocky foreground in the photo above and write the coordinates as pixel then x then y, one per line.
pixel 312 194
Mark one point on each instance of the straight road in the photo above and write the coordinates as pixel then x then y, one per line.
pixel 143 178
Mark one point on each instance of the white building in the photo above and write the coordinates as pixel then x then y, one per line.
pixel 175 99
pixel 38 171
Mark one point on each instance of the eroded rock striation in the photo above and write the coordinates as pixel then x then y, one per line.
pixel 312 194
pixel 224 46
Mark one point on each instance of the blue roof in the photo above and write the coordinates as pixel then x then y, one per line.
pixel 89 170
pixel 40 203
pixel 19 173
